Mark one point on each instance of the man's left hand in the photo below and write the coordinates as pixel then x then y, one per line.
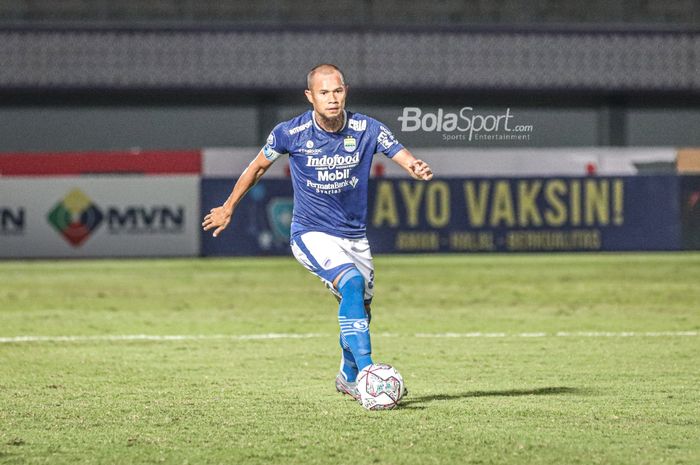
pixel 421 170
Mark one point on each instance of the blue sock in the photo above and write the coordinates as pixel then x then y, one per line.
pixel 354 327
pixel 348 367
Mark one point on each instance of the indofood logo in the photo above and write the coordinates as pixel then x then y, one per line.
pixel 75 217
pixel 335 168
pixel 336 161
pixel 466 124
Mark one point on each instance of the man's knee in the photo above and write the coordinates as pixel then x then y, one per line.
pixel 351 282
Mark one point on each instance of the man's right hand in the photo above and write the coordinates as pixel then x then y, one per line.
pixel 218 218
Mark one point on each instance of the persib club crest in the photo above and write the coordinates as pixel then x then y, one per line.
pixel 349 144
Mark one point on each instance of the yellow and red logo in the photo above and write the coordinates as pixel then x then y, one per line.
pixel 75 217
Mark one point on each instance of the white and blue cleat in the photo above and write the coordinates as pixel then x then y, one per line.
pixel 346 387
pixel 350 389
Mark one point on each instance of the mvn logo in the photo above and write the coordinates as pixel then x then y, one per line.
pixel 139 219
pixel 75 217
pixel 12 221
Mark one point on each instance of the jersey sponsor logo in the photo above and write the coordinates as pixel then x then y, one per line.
pixel 333 187
pixel 349 144
pixel 336 161
pixel 357 125
pixel 298 129
pixel 310 151
pixel 386 138
pixel 336 175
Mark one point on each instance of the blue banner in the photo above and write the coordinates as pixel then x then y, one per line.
pixel 260 224
pixel 690 212
pixel 474 215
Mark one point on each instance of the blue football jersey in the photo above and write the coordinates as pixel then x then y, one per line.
pixel 330 170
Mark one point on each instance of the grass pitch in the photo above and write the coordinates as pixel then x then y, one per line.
pixel 510 359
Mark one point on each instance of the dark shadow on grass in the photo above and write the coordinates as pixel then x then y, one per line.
pixel 546 391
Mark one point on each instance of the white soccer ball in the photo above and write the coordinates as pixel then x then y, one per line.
pixel 380 386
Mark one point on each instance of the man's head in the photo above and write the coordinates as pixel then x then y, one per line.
pixel 326 91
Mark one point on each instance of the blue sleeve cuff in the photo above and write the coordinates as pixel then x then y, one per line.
pixel 396 148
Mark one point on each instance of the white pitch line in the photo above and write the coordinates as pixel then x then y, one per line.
pixel 268 336
pixel 629 334
pixel 564 334
pixel 155 337
pixel 461 335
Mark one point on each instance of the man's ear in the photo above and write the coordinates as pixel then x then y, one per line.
pixel 309 97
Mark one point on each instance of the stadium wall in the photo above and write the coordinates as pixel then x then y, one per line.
pixel 465 162
pixel 69 127
pixel 74 205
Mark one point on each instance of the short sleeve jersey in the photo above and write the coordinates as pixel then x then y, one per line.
pixel 330 170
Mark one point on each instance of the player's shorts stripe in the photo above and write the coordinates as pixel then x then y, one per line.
pixel 328 274
pixel 300 243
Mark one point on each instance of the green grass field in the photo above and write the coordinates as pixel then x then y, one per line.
pixel 620 386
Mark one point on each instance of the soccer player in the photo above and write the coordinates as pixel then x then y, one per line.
pixel 330 153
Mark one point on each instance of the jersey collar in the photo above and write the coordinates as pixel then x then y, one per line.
pixel 345 123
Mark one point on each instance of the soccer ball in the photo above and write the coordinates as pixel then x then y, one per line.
pixel 380 386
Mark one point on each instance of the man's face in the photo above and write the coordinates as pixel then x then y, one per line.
pixel 327 94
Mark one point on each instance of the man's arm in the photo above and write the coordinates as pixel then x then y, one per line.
pixel 220 217
pixel 418 169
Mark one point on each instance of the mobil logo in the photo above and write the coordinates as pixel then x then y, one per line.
pixel 335 175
